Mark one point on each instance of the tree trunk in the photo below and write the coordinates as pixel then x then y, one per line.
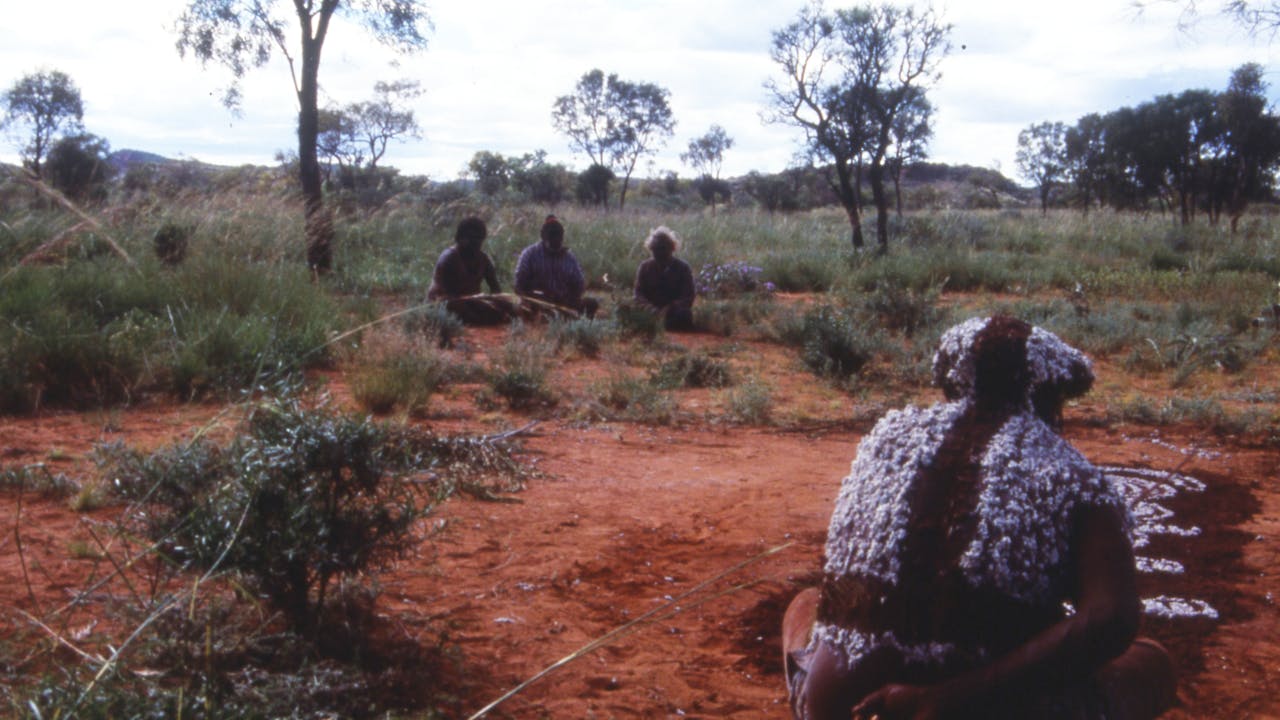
pixel 897 187
pixel 875 174
pixel 847 192
pixel 319 220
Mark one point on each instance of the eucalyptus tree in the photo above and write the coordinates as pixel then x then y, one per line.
pixel 847 77
pixel 242 35
pixel 615 122
pixel 37 109
pixel 706 155
pixel 1042 157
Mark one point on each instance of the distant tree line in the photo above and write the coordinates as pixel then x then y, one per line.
pixel 1196 152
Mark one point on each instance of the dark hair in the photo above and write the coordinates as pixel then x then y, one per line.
pixel 1001 375
pixel 471 228
pixel 552 227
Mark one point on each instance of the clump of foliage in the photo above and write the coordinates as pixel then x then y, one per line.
pixel 519 376
pixel 584 335
pixel 306 496
pixel 693 370
pixel 98 333
pixel 750 402
pixel 731 279
pixel 433 320
pixel 39 480
pixel 170 242
pixel 638 322
pixel 902 309
pixel 396 371
pixel 832 345
pixel 623 397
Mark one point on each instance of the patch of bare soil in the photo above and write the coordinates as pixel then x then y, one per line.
pixel 701 532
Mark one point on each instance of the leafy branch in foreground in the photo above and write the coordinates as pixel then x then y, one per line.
pixel 304 498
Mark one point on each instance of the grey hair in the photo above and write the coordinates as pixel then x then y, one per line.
pixel 662 231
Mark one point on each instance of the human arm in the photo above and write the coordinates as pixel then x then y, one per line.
pixel 440 289
pixel 577 282
pixel 1104 624
pixel 640 292
pixel 524 273
pixel 687 292
pixel 491 276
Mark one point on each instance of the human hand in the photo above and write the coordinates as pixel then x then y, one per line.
pixel 894 702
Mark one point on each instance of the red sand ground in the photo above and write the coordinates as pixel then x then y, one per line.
pixel 627 517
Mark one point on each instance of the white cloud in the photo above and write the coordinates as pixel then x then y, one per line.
pixel 492 70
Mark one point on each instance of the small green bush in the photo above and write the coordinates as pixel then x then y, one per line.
pixel 693 370
pixel 831 344
pixel 584 335
pixel 630 398
pixel 750 402
pixel 306 496
pixel 433 320
pixel 519 376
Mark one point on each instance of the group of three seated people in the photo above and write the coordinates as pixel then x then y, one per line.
pixel 548 278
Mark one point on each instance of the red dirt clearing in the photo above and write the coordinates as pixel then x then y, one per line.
pixel 627 518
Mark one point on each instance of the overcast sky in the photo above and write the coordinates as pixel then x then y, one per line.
pixel 493 68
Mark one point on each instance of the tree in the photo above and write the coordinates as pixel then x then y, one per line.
pixel 491 171
pixel 615 122
pixel 1042 157
pixel 1247 154
pixel 336 143
pixel 705 155
pixel 1083 145
pixel 355 137
pixel 849 75
pixel 79 168
pixel 379 121
pixel 911 132
pixel 593 185
pixel 242 35
pixel 541 181
pixel 45 104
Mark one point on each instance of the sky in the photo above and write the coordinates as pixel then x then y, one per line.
pixel 493 68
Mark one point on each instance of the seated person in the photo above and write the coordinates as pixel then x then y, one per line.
pixel 458 275
pixel 959 533
pixel 550 275
pixel 664 283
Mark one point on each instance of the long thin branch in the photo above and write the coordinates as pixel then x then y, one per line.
pixel 665 610
pixel 72 208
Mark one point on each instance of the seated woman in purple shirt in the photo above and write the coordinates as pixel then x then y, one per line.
pixel 549 273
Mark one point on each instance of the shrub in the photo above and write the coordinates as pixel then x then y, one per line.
pixel 170 242
pixel 520 375
pixel 694 370
pixel 902 309
pixel 433 320
pixel 723 317
pixel 638 322
pixel 586 336
pixel 731 279
pixel 629 398
pixel 750 402
pixel 393 370
pixel 832 346
pixel 305 497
